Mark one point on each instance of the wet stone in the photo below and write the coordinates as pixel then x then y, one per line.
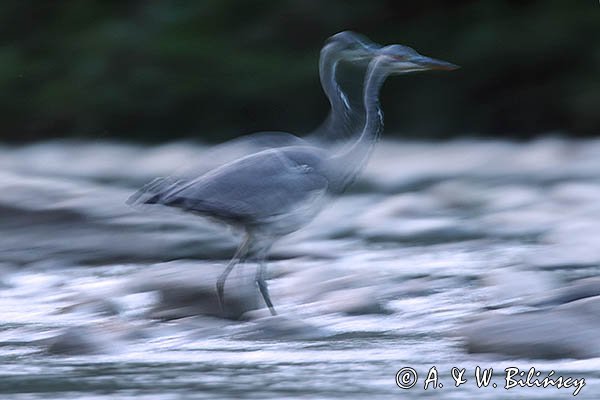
pixel 103 307
pixel 279 327
pixel 184 290
pixel 566 331
pixel 358 301
pixel 546 334
pixel 180 301
pixel 80 340
pixel 580 289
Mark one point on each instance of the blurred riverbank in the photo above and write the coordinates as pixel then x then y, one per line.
pixel 457 253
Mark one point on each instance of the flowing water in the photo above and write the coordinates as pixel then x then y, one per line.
pixel 102 301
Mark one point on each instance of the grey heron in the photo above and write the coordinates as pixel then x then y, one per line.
pixel 346 46
pixel 275 192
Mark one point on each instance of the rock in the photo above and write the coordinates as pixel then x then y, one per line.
pixel 422 231
pixel 279 327
pixel 563 332
pixel 80 340
pixel 184 290
pixel 588 308
pixel 178 301
pixel 503 289
pixel 567 326
pixel 357 301
pixel 580 289
pixel 102 307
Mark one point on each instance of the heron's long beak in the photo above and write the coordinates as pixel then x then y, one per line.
pixel 432 63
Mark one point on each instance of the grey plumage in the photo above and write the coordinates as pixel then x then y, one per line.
pixel 255 191
pixel 345 118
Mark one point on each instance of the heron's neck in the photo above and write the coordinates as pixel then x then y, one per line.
pixel 328 64
pixel 327 68
pixel 337 125
pixel 352 159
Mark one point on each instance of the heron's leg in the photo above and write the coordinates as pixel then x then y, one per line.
pixel 239 255
pixel 262 285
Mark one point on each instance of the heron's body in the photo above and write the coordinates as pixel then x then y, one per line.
pixel 277 191
pixel 271 193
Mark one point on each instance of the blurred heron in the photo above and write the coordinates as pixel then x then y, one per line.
pixel 344 117
pixel 276 191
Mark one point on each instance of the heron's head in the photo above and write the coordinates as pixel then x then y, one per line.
pixel 398 59
pixel 351 46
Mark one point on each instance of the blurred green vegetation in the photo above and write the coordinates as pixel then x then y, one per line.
pixel 214 69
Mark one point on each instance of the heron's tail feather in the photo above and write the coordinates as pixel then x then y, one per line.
pixel 154 191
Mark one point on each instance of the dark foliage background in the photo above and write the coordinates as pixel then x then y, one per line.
pixel 214 69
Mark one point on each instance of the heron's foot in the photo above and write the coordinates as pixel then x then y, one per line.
pixel 264 290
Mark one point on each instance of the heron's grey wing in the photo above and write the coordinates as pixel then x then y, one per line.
pixel 217 156
pixel 254 188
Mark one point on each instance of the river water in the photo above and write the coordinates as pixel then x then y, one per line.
pixel 453 254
